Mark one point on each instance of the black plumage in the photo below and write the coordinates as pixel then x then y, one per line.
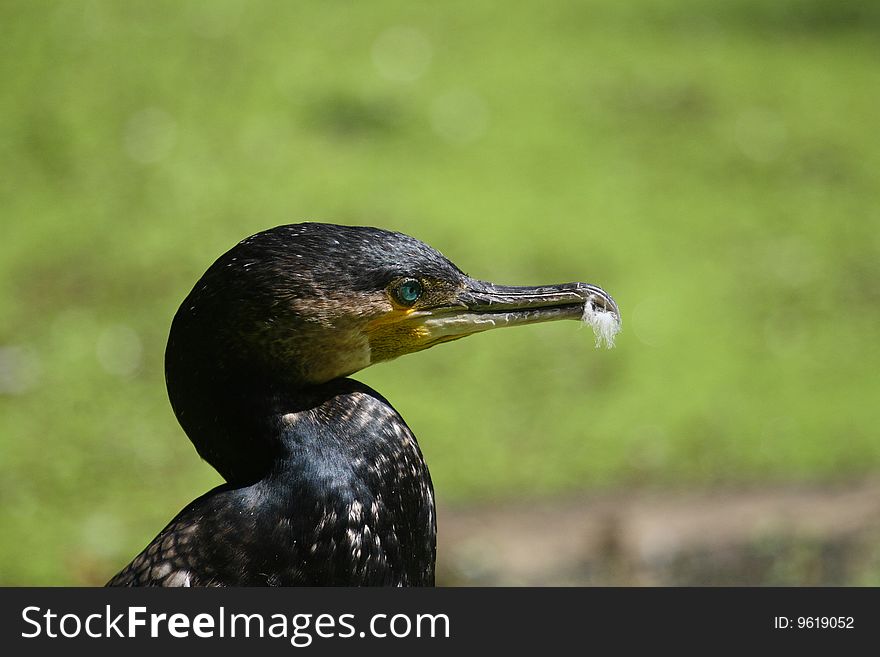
pixel 325 482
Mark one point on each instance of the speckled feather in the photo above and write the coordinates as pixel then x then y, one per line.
pixel 350 502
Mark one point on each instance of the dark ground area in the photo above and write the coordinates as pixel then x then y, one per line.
pixel 786 536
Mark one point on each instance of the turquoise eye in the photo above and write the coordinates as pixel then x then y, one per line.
pixel 408 291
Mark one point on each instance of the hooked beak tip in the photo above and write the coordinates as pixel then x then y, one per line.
pixel 601 313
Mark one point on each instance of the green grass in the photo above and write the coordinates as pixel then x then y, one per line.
pixel 718 171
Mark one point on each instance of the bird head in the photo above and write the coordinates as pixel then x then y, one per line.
pixel 313 302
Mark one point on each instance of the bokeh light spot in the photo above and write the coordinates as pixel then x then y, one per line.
pixel 460 117
pixel 402 54
pixel 650 321
pixel 760 135
pixel 119 350
pixel 149 135
pixel 793 261
pixel 214 20
pixel 19 370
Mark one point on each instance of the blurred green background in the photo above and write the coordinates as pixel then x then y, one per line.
pixel 715 166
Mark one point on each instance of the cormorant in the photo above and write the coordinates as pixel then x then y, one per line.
pixel 325 482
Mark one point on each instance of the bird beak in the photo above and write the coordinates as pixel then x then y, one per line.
pixel 482 306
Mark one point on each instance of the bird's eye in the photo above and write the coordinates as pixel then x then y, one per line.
pixel 408 291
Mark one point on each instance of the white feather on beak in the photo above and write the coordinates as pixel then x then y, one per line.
pixel 605 324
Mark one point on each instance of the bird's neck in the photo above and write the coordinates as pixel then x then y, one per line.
pixel 335 457
pixel 226 404
pixel 252 425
